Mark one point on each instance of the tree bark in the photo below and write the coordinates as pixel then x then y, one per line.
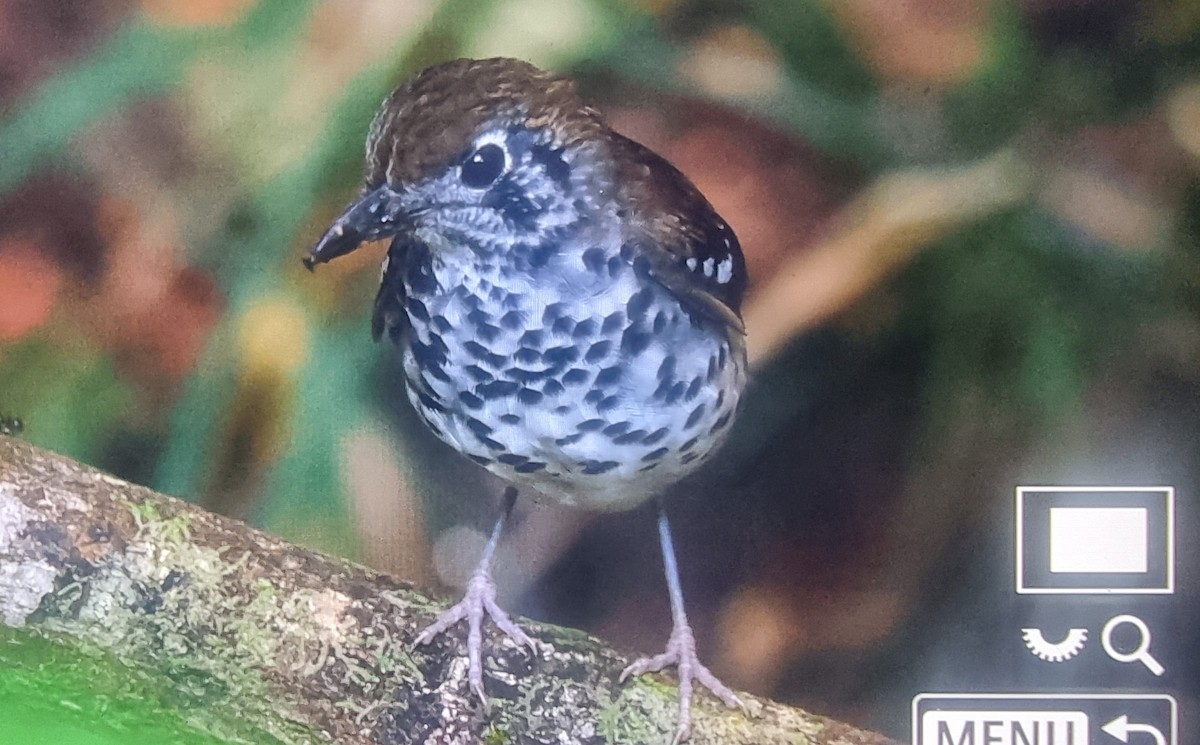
pixel 257 640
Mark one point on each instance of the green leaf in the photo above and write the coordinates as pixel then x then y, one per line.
pixel 69 397
pixel 55 694
pixel 839 126
pixel 812 46
pixel 987 111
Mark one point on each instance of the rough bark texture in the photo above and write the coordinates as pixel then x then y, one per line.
pixel 257 640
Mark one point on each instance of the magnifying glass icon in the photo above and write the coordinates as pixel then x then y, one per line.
pixel 1141 651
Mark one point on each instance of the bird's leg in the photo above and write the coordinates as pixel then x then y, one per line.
pixel 681 647
pixel 480 599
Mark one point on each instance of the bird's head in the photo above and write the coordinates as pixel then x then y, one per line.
pixel 492 152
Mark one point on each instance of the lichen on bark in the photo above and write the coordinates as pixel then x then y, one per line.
pixel 238 636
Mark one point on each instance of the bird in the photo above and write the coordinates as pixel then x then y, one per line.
pixel 566 306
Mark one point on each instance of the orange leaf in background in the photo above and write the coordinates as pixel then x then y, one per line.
pixel 926 42
pixel 195 12
pixel 151 310
pixel 159 344
pixel 192 308
pixel 29 284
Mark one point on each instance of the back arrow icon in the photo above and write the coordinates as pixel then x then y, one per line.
pixel 1120 729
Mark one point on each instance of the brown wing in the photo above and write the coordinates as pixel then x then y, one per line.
pixel 677 236
pixel 389 317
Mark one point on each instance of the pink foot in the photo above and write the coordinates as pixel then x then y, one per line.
pixel 681 652
pixel 479 600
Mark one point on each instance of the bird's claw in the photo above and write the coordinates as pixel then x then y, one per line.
pixel 681 653
pixel 479 601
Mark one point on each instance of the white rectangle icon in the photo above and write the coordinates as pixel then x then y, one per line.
pixel 1003 727
pixel 1098 539
pixel 1102 540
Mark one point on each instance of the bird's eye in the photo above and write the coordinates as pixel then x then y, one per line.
pixel 482 167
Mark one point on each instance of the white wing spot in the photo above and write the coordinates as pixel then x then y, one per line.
pixel 725 270
pixel 691 263
pixel 708 266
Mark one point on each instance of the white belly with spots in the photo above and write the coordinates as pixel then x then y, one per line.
pixel 596 391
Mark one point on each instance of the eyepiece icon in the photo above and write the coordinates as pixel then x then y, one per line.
pixel 1059 651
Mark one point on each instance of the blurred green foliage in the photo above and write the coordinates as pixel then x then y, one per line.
pixel 50 694
pixel 1011 314
pixel 76 406
pixel 1016 305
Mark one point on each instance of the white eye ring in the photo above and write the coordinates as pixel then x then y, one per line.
pixel 497 138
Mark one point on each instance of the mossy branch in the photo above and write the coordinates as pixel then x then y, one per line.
pixel 245 638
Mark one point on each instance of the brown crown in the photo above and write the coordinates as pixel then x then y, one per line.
pixel 429 121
